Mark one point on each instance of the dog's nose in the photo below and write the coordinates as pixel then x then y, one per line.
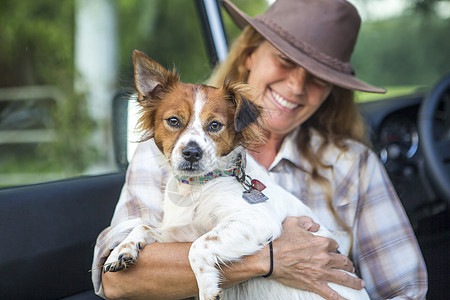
pixel 192 152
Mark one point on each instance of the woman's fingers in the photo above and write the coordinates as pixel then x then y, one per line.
pixel 341 262
pixel 345 279
pixel 307 223
pixel 308 262
pixel 326 292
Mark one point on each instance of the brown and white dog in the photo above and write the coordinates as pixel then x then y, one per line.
pixel 212 202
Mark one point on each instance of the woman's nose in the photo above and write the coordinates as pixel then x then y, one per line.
pixel 297 80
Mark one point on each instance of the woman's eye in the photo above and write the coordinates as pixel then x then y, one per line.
pixel 214 126
pixel 319 81
pixel 287 62
pixel 173 122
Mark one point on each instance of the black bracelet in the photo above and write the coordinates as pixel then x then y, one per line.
pixel 271 261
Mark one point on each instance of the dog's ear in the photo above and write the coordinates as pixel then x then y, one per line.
pixel 246 112
pixel 151 79
pixel 248 116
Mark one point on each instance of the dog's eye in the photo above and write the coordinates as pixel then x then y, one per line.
pixel 214 126
pixel 174 122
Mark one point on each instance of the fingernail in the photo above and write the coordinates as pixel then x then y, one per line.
pixel 363 284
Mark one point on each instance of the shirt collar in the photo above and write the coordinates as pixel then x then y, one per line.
pixel 288 151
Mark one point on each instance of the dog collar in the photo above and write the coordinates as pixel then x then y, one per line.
pixel 235 171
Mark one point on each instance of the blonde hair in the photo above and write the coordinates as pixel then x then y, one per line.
pixel 234 65
pixel 336 121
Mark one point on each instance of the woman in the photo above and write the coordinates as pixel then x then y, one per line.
pixel 297 54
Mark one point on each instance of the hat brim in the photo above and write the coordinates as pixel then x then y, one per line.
pixel 313 66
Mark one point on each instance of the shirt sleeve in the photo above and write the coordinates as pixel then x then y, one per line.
pixel 387 253
pixel 140 203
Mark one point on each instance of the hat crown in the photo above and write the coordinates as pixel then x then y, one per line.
pixel 329 27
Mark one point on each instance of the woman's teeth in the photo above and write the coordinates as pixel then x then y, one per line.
pixel 283 102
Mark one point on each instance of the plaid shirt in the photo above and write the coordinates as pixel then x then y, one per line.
pixel 385 251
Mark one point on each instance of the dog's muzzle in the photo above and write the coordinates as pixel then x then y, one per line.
pixel 192 153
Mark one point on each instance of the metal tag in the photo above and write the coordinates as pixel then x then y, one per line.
pixel 254 196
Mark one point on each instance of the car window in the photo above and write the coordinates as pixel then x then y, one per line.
pixel 403 45
pixel 63 62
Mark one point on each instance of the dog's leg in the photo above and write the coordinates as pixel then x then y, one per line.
pixel 126 253
pixel 227 242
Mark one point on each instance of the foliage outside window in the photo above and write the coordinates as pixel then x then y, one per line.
pixel 50 136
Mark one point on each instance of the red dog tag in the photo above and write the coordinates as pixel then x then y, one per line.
pixel 258 185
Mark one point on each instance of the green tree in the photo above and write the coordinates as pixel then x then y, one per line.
pixel 168 31
pixel 37 48
pixel 407 50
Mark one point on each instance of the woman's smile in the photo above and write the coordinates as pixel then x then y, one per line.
pixel 282 102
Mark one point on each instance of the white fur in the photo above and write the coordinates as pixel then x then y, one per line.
pixel 194 133
pixel 224 227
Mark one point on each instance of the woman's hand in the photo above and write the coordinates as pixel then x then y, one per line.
pixel 308 262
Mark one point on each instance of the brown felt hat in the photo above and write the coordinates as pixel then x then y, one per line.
pixel 318 35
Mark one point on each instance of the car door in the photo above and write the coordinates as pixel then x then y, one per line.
pixel 65 83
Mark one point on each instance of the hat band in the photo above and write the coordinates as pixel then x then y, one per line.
pixel 331 62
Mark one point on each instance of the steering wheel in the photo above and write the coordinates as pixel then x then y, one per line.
pixel 434 136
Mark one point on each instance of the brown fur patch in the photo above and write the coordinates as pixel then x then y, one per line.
pixel 127 246
pixel 242 95
pixel 179 103
pixel 218 108
pixel 212 238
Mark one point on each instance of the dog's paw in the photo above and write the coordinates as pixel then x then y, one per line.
pixel 208 278
pixel 126 253
pixel 204 265
pixel 122 257
pixel 210 293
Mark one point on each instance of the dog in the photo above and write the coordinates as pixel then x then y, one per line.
pixel 218 198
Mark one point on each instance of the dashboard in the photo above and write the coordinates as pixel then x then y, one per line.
pixel 394 135
pixel 398 138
